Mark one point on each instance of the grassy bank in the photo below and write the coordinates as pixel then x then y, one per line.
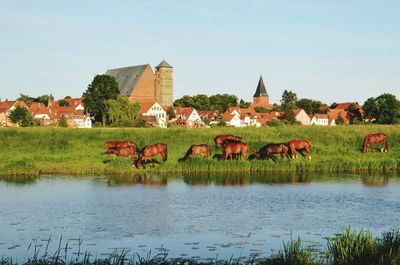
pixel 32 151
pixel 349 247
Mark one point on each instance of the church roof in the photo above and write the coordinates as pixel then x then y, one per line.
pixel 127 77
pixel 164 64
pixel 261 91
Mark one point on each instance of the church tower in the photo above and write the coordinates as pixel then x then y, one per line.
pixel 164 85
pixel 261 98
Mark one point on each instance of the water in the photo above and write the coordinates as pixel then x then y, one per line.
pixel 191 216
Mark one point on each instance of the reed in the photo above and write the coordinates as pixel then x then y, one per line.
pixel 348 247
pixel 80 151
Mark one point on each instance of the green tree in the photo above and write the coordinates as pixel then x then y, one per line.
pixel 244 104
pixel 122 112
pixel 261 110
pixel 309 105
pixel 339 120
pixel 63 103
pixel 102 88
pixel 21 116
pixel 288 100
pixel 289 116
pixel 171 113
pixel 63 122
pixel 41 99
pixel 385 109
pixel 222 102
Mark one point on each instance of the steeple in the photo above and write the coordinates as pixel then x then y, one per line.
pixel 261 91
pixel 164 64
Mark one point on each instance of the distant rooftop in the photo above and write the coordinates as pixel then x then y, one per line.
pixel 261 91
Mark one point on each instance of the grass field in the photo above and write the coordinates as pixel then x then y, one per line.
pixel 33 151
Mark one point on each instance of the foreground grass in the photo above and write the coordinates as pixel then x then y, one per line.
pixel 32 151
pixel 346 248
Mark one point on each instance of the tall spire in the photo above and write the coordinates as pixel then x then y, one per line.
pixel 261 91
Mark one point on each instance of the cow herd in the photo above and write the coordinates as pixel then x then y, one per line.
pixel 233 148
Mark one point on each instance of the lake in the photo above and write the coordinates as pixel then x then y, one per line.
pixel 191 216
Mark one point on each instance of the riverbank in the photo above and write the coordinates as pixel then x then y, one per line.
pixel 349 247
pixel 34 151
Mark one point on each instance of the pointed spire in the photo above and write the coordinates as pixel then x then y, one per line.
pixel 261 91
pixel 164 64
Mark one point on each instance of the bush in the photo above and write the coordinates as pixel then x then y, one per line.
pixel 63 122
pixel 274 123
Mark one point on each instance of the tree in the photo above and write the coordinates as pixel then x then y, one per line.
pixel 102 88
pixel 63 103
pixel 122 113
pixel 219 102
pixel 41 99
pixel 171 113
pixel 261 110
pixel 288 100
pixel 222 102
pixel 63 122
pixel 385 109
pixel 339 120
pixel 21 116
pixel 289 116
pixel 244 104
pixel 309 105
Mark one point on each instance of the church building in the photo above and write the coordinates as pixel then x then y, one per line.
pixel 140 83
pixel 261 98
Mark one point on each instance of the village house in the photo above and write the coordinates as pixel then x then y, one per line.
pixel 5 108
pixel 211 115
pixel 336 113
pixel 153 108
pixel 240 117
pixel 301 116
pixel 140 83
pixel 74 118
pixel 188 117
pixel 41 113
pixel 322 119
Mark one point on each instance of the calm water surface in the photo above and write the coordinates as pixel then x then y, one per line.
pixel 191 216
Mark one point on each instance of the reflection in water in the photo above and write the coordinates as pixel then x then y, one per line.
pixel 375 181
pixel 143 179
pixel 22 180
pixel 243 179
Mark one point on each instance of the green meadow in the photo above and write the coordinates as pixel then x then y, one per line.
pixel 33 151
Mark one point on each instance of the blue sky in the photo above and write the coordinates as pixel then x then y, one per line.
pixel 326 50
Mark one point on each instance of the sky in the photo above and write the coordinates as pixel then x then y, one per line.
pixel 333 51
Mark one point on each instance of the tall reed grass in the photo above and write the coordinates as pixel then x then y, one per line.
pixel 80 151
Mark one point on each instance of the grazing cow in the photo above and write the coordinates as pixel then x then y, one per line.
pixel 151 150
pixel 219 139
pixel 372 139
pixel 231 149
pixel 299 145
pixel 194 150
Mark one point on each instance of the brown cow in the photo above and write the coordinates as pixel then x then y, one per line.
pixel 299 145
pixel 219 139
pixel 269 150
pixel 200 149
pixel 151 150
pixel 236 148
pixel 372 139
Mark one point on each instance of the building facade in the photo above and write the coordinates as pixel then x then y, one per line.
pixel 140 83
